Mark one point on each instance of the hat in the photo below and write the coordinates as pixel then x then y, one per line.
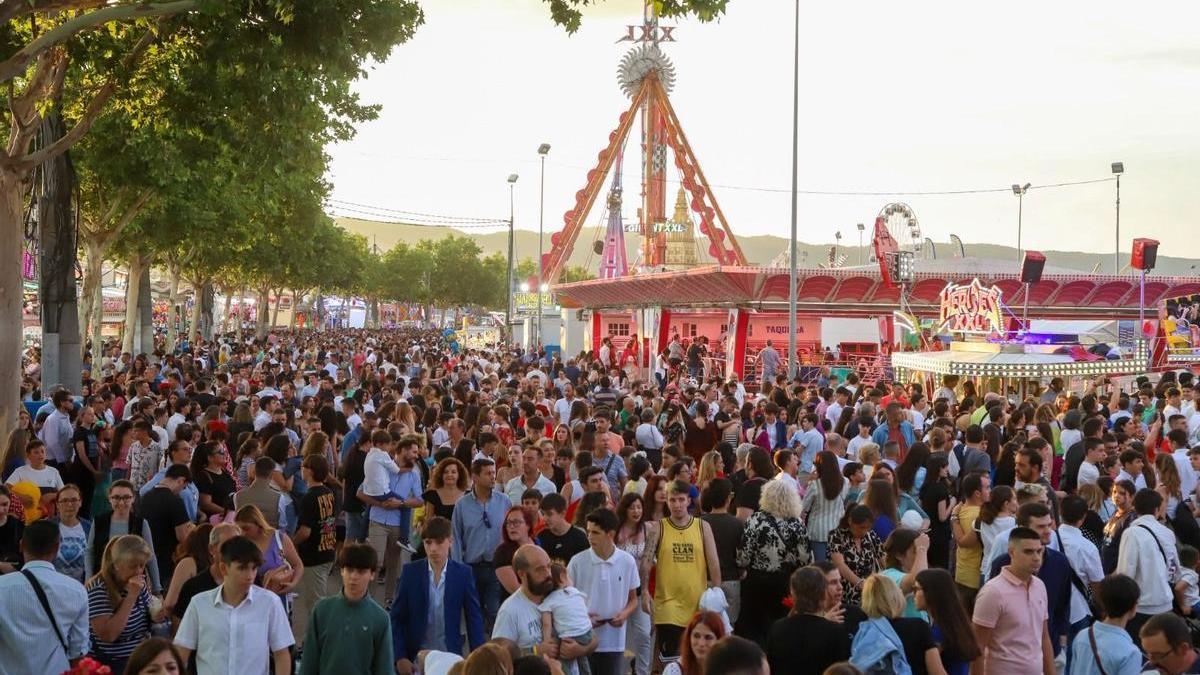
pixel 911 520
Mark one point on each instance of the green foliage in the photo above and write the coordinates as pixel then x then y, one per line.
pixel 568 13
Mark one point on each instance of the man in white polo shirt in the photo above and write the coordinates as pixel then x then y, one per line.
pixel 233 627
pixel 608 577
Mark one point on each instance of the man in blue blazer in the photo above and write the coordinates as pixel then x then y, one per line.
pixel 425 585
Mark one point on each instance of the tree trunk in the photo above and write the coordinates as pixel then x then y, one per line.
pixel 295 308
pixel 146 309
pixel 275 312
pixel 264 306
pixel 204 326
pixel 241 313
pixel 172 311
pixel 132 290
pixel 93 271
pixel 61 355
pixel 97 325
pixel 225 317
pixel 12 298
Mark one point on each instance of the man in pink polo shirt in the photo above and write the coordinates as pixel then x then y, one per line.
pixel 1011 613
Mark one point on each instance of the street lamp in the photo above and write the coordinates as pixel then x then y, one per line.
pixel 1019 191
pixel 792 276
pixel 1118 168
pixel 512 182
pixel 543 150
pixel 524 286
pixel 861 229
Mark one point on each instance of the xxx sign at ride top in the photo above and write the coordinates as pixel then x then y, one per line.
pixel 970 308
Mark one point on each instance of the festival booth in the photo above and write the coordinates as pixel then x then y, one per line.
pixel 1000 356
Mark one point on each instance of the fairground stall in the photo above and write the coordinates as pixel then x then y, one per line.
pixel 688 276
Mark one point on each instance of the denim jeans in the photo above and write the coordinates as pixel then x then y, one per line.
pixel 488 587
pixel 356 527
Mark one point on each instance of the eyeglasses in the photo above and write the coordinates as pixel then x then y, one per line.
pixel 121 498
pixel 514 523
pixel 69 500
pixel 487 522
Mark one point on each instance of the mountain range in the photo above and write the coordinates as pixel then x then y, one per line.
pixel 759 250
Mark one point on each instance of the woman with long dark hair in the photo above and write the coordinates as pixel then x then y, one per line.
pixel 882 502
pixel 937 498
pixel 937 596
pixel 910 475
pixel 996 515
pixel 1114 529
pixel 824 503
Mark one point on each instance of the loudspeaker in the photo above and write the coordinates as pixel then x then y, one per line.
pixel 598 247
pixel 1145 254
pixel 1031 267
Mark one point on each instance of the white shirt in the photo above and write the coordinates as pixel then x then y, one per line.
pixel 1085 560
pixel 29 644
pixel 519 620
pixel 1000 547
pixel 262 419
pixel 833 412
pixel 1187 475
pixel 569 609
pixel 378 468
pixel 46 477
pixel 1088 475
pixel 234 639
pixel 1140 558
pixel 648 436
pixel 173 424
pixel 607 585
pixel 1139 482
pixel 515 487
pixel 562 408
pixel 856 443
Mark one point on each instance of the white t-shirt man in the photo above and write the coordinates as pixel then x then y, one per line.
pixel 45 477
pixel 607 584
pixel 519 620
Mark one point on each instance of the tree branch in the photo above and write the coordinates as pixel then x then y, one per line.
pixel 11 9
pixel 93 110
pixel 16 64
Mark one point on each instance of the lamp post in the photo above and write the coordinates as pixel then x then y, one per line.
pixel 1118 168
pixel 1019 191
pixel 543 150
pixel 861 229
pixel 836 247
pixel 512 183
pixel 792 275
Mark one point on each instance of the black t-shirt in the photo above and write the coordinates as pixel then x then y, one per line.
pixel 806 645
pixel 917 639
pixel 353 480
pixel 203 581
pixel 164 510
pixel 318 512
pixel 219 486
pixel 561 548
pixel 205 399
pixel 749 493
pixel 10 540
pixel 727 534
pixel 91 444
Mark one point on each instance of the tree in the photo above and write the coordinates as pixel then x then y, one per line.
pixel 567 13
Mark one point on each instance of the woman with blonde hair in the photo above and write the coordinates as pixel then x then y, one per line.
pixel 886 637
pixel 774 544
pixel 869 457
pixel 281 569
pixel 711 466
pixel 318 443
pixel 120 608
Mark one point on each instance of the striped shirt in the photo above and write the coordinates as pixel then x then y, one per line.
pixel 29 644
pixel 823 514
pixel 137 628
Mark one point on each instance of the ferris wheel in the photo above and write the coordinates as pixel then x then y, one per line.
pixel 902 224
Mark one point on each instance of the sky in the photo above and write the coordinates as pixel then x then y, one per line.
pixel 894 97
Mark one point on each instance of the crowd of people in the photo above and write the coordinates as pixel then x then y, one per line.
pixel 383 501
